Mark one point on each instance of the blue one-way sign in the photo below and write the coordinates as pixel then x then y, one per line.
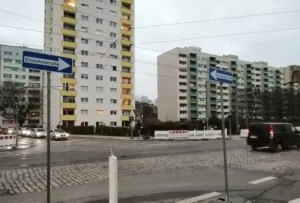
pixel 220 76
pixel 47 62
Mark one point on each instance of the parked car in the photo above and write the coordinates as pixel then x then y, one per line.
pixel 58 134
pixel 276 136
pixel 24 132
pixel 11 130
pixel 38 133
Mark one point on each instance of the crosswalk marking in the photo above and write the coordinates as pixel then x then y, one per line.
pixel 262 180
pixel 199 198
pixel 295 201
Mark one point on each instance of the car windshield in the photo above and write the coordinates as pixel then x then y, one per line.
pixel 59 131
pixel 40 130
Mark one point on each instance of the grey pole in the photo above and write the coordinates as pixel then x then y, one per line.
pixel 237 112
pixel 16 124
pixel 230 126
pixel 224 145
pixel 48 135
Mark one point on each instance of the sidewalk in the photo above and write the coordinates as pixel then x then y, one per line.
pixel 21 145
pixel 107 137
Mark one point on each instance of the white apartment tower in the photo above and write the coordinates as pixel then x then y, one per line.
pixel 97 35
pixel 31 80
pixel 185 94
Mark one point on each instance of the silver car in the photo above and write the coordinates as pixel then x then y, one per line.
pixel 58 134
pixel 24 132
pixel 38 133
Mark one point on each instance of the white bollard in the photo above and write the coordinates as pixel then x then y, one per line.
pixel 113 178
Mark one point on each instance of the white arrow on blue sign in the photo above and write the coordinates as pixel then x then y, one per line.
pixel 47 62
pixel 221 76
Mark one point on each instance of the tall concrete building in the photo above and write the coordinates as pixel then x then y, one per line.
pixel 184 93
pixel 97 35
pixel 11 70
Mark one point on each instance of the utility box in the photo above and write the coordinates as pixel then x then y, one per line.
pixel 292 74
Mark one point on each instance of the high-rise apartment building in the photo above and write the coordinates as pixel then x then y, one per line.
pixel 11 70
pixel 97 35
pixel 184 93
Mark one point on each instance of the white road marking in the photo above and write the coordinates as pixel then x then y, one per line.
pixel 202 197
pixel 295 201
pixel 262 180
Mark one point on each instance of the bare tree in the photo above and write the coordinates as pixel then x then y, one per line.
pixel 18 102
pixel 145 109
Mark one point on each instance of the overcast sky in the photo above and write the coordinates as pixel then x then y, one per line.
pixel 276 48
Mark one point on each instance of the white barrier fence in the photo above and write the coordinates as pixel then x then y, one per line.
pixel 189 135
pixel 244 133
pixel 7 141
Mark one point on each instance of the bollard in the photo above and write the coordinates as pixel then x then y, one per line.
pixel 113 178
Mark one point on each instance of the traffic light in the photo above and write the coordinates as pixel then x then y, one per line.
pixel 82 123
pixel 67 86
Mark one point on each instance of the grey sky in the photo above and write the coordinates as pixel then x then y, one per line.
pixel 277 48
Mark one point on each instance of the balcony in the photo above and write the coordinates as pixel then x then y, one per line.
pixel 193 80
pixel 193 59
pixel 213 109
pixel 126 32
pixel 126 22
pixel 69 44
pixel 126 86
pixel 127 96
pixel 193 94
pixel 202 69
pixel 202 109
pixel 193 66
pixel 68 8
pixel 126 42
pixel 126 75
pixel 126 53
pixel 124 118
pixel 72 81
pixel 193 87
pixel 68 93
pixel 194 108
pixel 67 32
pixel 213 89
pixel 72 56
pixel 213 96
pixel 126 11
pixel 68 105
pixel 127 1
pixel 126 64
pixel 194 73
pixel 194 101
pixel 194 115
pixel 126 107
pixel 68 117
pixel 71 21
pixel 213 62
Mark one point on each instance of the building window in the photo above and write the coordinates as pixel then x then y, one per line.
pixel 84 100
pixel 113 24
pixel 85 76
pixel 99 89
pixel 84 88
pixel 99 20
pixel 99 66
pixel 7 53
pixel 84 41
pixel 113 101
pixel 99 112
pixel 113 12
pixel 113 123
pixel 98 9
pixel 84 18
pixel 84 64
pixel 99 100
pixel 99 77
pixel 113 2
pixel 99 32
pixel 100 1
pixel 7 76
pixel 18 62
pixel 85 53
pixel 113 46
pixel 113 112
pixel 84 112
pixel 113 35
pixel 113 90
pixel 113 79
pixel 86 6
pixel 114 68
pixel 99 43
pixel 125 70
pixel 7 60
pixel 113 56
pixel 84 29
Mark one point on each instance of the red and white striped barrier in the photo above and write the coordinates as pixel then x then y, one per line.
pixel 189 135
pixel 7 140
pixel 178 134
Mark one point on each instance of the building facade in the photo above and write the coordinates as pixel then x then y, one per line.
pixel 12 71
pixel 97 35
pixel 184 93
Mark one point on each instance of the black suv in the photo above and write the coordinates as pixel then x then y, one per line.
pixel 277 136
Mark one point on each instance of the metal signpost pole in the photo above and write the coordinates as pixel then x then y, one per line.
pixel 230 126
pixel 224 145
pixel 48 135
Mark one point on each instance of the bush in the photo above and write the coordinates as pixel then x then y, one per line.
pixel 79 130
pixel 112 131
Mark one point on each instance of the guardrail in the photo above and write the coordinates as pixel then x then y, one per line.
pixel 188 135
pixel 8 140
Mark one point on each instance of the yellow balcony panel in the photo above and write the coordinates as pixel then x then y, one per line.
pixel 124 118
pixel 69 44
pixel 72 56
pixel 126 107
pixel 126 32
pixel 126 42
pixel 126 75
pixel 126 11
pixel 74 69
pixel 126 53
pixel 68 117
pixel 69 8
pixel 68 93
pixel 127 1
pixel 126 64
pixel 127 96
pixel 126 86
pixel 71 81
pixel 71 33
pixel 126 22
pixel 68 105
pixel 68 20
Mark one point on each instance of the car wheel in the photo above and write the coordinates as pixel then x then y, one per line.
pixel 278 148
pixel 254 148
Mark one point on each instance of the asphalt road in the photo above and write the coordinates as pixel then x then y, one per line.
pixel 84 150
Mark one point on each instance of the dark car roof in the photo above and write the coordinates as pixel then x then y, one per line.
pixel 268 123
